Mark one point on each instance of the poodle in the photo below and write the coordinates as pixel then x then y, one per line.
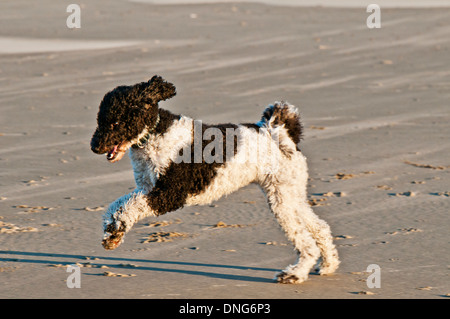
pixel 175 165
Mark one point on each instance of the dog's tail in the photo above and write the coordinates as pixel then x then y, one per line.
pixel 283 113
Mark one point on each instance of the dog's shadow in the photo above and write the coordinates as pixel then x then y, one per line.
pixel 94 262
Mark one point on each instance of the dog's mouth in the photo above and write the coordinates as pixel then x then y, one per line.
pixel 116 152
pixel 112 153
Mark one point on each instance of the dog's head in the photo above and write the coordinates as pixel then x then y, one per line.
pixel 126 114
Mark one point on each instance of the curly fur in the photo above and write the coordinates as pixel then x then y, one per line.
pixel 164 183
pixel 127 110
pixel 284 114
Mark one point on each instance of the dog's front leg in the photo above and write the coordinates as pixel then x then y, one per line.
pixel 121 215
pixel 129 209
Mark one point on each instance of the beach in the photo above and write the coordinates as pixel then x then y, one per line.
pixel 375 109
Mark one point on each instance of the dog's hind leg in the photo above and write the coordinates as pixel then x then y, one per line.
pixel 283 202
pixel 321 232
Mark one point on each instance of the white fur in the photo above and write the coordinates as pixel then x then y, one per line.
pixel 152 160
pixel 148 163
pixel 280 170
pixel 127 210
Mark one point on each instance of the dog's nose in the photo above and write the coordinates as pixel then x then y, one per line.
pixel 95 147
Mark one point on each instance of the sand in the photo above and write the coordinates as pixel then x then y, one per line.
pixel 375 107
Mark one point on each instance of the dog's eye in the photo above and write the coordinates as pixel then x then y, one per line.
pixel 114 125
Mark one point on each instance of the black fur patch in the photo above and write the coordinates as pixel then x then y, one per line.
pixel 166 119
pixel 182 180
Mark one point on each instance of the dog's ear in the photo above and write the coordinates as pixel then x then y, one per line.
pixel 155 90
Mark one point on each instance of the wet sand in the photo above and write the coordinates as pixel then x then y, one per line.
pixel 375 108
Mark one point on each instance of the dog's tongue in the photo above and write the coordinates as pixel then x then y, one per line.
pixel 112 153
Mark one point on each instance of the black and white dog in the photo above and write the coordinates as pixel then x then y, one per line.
pixel 174 166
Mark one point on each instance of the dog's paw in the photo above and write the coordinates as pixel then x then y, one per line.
pixel 113 237
pixel 324 269
pixel 289 278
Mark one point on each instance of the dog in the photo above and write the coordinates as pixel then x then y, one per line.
pixel 170 174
